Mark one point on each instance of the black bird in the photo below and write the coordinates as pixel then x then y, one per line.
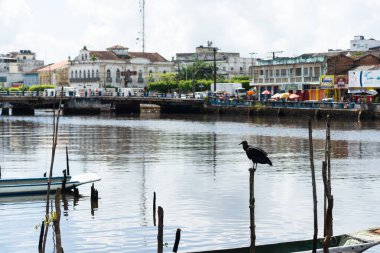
pixel 257 155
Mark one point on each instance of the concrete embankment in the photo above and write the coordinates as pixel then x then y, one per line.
pixel 346 114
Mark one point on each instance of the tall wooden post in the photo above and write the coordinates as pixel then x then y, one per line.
pixel 328 164
pixel 160 236
pixel 252 209
pixel 177 239
pixel 315 236
pixel 330 203
pixel 154 208
pixel 56 222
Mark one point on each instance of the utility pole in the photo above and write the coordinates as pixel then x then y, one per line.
pixel 142 10
pixel 252 63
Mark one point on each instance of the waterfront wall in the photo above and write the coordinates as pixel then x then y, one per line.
pixel 348 114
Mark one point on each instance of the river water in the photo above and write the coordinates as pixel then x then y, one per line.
pixel 199 173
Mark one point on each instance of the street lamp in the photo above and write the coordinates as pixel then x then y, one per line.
pixel 215 49
pixel 185 68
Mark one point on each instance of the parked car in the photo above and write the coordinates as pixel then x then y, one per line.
pixel 198 95
pixel 328 99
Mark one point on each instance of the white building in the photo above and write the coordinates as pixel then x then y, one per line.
pixel 361 44
pixel 14 65
pixel 116 67
pixel 228 64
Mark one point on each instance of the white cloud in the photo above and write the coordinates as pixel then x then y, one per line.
pixel 173 26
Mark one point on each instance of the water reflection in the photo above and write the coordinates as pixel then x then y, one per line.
pixel 199 172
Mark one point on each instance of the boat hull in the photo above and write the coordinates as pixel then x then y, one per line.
pixel 30 186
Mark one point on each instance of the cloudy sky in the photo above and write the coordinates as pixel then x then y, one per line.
pixel 56 29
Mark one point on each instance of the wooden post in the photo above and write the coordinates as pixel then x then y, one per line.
pixel 328 161
pixel 41 237
pixel 94 193
pixel 177 239
pixel 330 203
pixel 67 162
pixel 315 236
pixel 252 209
pixel 64 182
pixel 154 208
pixel 56 222
pixel 160 236
pixel 55 140
pixel 76 192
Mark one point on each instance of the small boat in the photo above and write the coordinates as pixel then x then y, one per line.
pixel 28 186
pixel 356 242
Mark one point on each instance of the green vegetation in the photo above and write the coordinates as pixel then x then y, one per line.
pixel 193 77
pixel 41 87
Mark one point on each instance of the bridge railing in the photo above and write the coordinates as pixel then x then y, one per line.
pixel 291 104
pixel 21 93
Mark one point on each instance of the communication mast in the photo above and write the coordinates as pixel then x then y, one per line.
pixel 142 33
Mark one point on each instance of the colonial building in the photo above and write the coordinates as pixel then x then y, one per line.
pixel 55 74
pixel 14 65
pixel 116 67
pixel 228 64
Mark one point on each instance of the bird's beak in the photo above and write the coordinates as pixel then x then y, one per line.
pixel 240 143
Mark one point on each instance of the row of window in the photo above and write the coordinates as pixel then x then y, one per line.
pixel 86 74
pixel 307 71
pixel 93 73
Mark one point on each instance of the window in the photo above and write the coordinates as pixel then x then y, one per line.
pixel 117 74
pixel 277 72
pixel 298 71
pixel 305 71
pixel 97 73
pixel 261 72
pixel 271 73
pixel 80 73
pixel 266 73
pixel 76 74
pixel 82 57
pixel 72 74
pixel 317 71
pixel 92 74
pixel 88 73
pixel 108 73
pixel 84 74
pixel 283 72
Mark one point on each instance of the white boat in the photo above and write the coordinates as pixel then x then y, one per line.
pixel 27 186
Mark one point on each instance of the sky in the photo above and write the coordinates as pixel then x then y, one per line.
pixel 57 29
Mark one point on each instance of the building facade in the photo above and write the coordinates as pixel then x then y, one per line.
pixel 14 65
pixel 290 74
pixel 116 67
pixel 359 43
pixel 56 74
pixel 228 64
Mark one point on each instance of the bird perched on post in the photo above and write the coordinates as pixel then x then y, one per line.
pixel 257 155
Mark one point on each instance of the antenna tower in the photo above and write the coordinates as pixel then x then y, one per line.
pixel 142 34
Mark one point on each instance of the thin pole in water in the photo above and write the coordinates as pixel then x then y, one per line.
pixel 315 236
pixel 177 239
pixel 252 209
pixel 160 236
